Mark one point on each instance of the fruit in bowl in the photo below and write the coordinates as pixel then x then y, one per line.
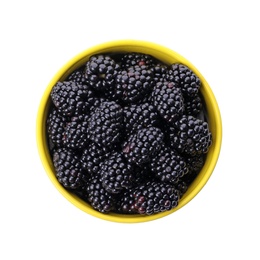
pixel 128 131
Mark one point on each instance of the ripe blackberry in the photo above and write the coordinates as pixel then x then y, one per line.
pixel 68 169
pixel 154 197
pixel 125 203
pixel 168 101
pixel 116 174
pixel 134 83
pixel 93 156
pixel 56 124
pixel 190 136
pixel 105 124
pixel 168 165
pixel 100 72
pixel 181 186
pixel 185 78
pixel 139 116
pixel 75 134
pixel 160 72
pixel 98 197
pixel 77 76
pixel 71 98
pixel 193 106
pixel 133 59
pixel 141 147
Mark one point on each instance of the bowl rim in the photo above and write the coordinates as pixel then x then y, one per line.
pixel 162 53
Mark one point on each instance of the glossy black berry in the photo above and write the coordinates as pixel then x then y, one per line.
pixel 105 124
pixel 139 59
pixel 185 78
pixel 68 168
pixel 191 136
pixel 168 101
pixel 100 72
pixel 72 98
pixel 141 147
pixel 134 83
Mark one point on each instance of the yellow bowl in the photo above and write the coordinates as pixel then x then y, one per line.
pixel 165 55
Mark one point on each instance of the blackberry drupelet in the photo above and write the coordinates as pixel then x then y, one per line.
pixel 68 169
pixel 134 83
pixel 154 197
pixel 125 203
pixel 139 116
pixel 93 156
pixel 100 72
pixel 105 124
pixel 168 165
pixel 98 197
pixel 185 78
pixel 75 135
pixel 141 147
pixel 56 124
pixel 116 174
pixel 71 98
pixel 193 106
pixel 168 101
pixel 190 136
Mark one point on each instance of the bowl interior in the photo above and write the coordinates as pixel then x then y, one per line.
pixel 165 55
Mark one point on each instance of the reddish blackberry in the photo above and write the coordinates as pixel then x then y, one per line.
pixel 98 197
pixel 141 147
pixel 185 78
pixel 75 134
pixel 68 169
pixel 140 116
pixel 154 197
pixel 190 136
pixel 168 165
pixel 192 106
pixel 93 156
pixel 105 124
pixel 168 101
pixel 77 76
pixel 72 98
pixel 116 174
pixel 56 124
pixel 134 83
pixel 100 72
pixel 133 59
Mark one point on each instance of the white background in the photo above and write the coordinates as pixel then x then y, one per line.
pixel 221 38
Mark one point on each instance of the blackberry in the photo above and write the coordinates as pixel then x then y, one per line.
pixel 139 116
pixel 71 98
pixel 141 147
pixel 154 197
pixel 116 173
pixel 100 72
pixel 133 59
pixel 105 124
pixel 56 124
pixel 126 203
pixel 190 136
pixel 185 78
pixel 98 197
pixel 160 72
pixel 93 156
pixel 168 101
pixel 134 83
pixel 68 169
pixel 193 106
pixel 168 165
pixel 181 186
pixel 77 76
pixel 75 134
